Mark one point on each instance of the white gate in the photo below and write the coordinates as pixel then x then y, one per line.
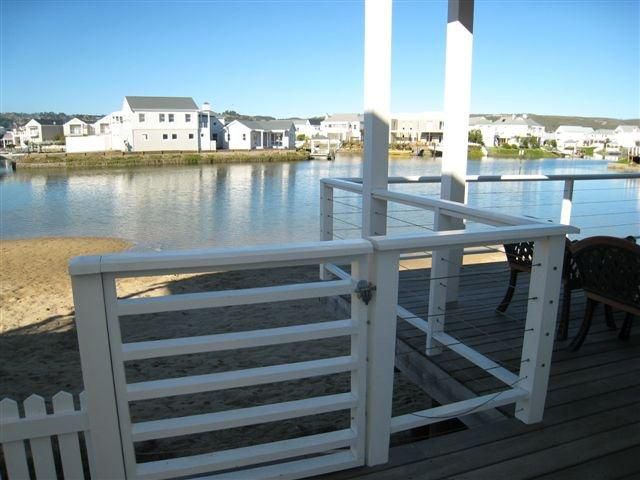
pixel 99 312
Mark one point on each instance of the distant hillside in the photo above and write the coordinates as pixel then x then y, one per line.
pixel 230 115
pixel 9 120
pixel 552 122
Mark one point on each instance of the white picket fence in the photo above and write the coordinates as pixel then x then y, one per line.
pixel 38 428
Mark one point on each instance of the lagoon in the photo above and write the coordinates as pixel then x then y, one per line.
pixel 247 204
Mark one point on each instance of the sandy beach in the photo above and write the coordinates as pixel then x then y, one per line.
pixel 39 349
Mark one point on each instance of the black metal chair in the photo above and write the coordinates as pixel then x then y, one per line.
pixel 520 259
pixel 610 273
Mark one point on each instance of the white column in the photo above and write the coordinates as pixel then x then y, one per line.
pixel 540 326
pixel 567 202
pixel 381 355
pixel 97 374
pixel 377 105
pixel 457 99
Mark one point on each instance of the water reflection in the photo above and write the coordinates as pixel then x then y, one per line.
pixel 243 204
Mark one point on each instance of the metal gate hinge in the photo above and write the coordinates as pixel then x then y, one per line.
pixel 364 290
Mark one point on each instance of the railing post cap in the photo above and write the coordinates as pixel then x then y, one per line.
pixel 85 265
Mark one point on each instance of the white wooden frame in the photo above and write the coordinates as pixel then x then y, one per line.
pixel 108 383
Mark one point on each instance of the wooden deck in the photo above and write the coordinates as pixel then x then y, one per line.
pixel 591 427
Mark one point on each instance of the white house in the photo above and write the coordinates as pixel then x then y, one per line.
pixel 573 136
pixel 305 127
pixel 486 128
pixel 40 131
pixel 76 128
pixel 264 134
pixel 151 124
pixel 510 129
pixel 147 124
pixel 343 126
pixel 414 127
pixel 211 129
pixel 627 136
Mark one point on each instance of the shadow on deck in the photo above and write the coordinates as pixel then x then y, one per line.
pixel 591 427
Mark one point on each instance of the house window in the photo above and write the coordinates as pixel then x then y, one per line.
pixel 191 136
pixel 145 136
pixel 174 136
pixel 165 136
pixel 141 117
pixel 162 117
pixel 171 117
pixel 204 121
pixel 76 130
pixel 187 117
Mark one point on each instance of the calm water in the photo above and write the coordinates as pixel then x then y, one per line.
pixel 222 205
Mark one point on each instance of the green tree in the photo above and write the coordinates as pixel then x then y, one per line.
pixel 301 137
pixel 475 136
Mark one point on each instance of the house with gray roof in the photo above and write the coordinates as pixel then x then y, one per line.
pixel 627 136
pixel 148 124
pixel 260 134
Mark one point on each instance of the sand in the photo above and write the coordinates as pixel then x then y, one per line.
pixel 39 350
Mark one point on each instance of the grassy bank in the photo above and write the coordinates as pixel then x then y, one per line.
pixel 113 159
pixel 474 153
pixel 515 152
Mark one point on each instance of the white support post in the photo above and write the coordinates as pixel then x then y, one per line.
pixel 97 374
pixel 359 315
pixel 326 220
pixel 542 308
pixel 381 354
pixel 457 99
pixel 377 105
pixel 567 201
pixel 437 300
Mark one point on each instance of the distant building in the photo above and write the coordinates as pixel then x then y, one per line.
pixel 258 135
pixel 415 127
pixel 573 136
pixel 77 128
pixel 627 136
pixel 149 124
pixel 511 129
pixel 305 127
pixel 7 140
pixel 343 126
pixel 39 131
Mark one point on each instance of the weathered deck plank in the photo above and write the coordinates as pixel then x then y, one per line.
pixel 591 427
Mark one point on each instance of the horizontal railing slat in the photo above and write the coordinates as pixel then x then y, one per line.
pixel 239 378
pixel 476 358
pixel 236 340
pixel 415 242
pixel 249 296
pixel 456 409
pixel 208 422
pixel 241 457
pixel 46 426
pixel 143 263
pixel 293 470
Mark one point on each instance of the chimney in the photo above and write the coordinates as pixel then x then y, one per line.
pixel 206 107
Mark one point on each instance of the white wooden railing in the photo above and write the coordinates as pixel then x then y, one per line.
pixel 527 388
pixel 112 431
pixel 566 204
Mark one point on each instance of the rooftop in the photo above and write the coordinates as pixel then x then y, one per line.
pixel 161 103
pixel 345 117
pixel 267 124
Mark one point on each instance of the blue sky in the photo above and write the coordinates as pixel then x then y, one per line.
pixel 304 58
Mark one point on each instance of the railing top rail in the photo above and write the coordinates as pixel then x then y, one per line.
pixel 343 184
pixel 505 178
pixel 463 238
pixel 456 209
pixel 202 259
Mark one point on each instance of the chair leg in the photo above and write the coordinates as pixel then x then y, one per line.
pixel 513 278
pixel 608 315
pixel 563 327
pixel 584 328
pixel 625 331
